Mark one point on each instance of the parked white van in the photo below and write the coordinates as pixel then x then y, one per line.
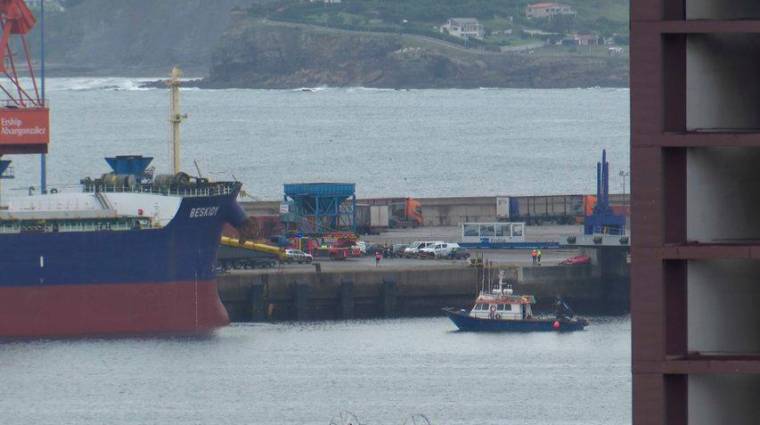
pixel 438 250
pixel 414 248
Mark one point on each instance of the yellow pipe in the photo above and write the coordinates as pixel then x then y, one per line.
pixel 259 247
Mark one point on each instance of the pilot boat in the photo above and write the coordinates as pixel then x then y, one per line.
pixel 501 310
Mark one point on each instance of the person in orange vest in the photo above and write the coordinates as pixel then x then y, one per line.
pixel 534 255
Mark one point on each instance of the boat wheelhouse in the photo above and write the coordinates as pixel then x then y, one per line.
pixel 502 304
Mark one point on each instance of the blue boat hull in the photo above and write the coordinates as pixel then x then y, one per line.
pixel 183 250
pixel 467 323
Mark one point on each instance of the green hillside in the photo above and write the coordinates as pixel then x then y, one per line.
pixel 602 17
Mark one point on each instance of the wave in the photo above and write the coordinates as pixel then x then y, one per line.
pixel 373 89
pixel 90 84
pixel 311 89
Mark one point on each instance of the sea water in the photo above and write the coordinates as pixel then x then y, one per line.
pixel 382 371
pixel 417 143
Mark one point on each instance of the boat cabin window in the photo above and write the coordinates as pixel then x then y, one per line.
pixel 500 307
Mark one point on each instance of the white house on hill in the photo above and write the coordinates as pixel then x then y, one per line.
pixel 464 28
pixel 548 10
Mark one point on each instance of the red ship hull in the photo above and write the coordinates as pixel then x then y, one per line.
pixel 108 309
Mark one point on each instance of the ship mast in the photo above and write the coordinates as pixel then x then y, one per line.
pixel 175 117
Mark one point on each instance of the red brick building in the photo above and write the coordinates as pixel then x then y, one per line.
pixel 695 171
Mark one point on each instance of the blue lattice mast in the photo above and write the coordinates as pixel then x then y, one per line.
pixel 603 219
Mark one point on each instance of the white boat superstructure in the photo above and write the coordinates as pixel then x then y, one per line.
pixel 500 303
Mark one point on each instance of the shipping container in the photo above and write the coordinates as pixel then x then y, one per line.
pixel 401 212
pixel 589 204
pixel 560 209
pixel 378 216
pixel 502 208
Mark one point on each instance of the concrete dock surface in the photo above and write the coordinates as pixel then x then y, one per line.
pixel 500 257
pixel 544 233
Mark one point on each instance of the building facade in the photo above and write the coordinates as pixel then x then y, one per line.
pixel 547 10
pixel 464 28
pixel 695 271
pixel 581 40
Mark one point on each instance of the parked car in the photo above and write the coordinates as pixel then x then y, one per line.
pixel 298 256
pixel 414 248
pixel 426 252
pixel 442 250
pixel 577 260
pixel 459 253
pixel 374 248
pixel 362 246
pixel 397 250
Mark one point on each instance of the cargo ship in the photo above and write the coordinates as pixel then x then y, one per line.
pixel 127 255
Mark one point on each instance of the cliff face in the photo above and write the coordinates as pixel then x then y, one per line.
pixel 135 37
pixel 282 56
pixel 257 53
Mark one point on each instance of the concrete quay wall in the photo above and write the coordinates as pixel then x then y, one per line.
pixel 281 296
pixel 339 295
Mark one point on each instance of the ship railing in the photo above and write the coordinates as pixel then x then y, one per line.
pixel 212 190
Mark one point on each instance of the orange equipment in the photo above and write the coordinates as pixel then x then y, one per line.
pixel 24 117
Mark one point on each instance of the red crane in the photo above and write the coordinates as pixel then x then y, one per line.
pixel 24 116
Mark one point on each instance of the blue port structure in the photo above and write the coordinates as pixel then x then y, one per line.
pixel 602 218
pixel 319 208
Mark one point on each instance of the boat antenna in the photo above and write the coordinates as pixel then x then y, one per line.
pixel 482 275
pixel 197 168
pixel 490 276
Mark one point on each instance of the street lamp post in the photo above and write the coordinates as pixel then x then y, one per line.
pixel 624 174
